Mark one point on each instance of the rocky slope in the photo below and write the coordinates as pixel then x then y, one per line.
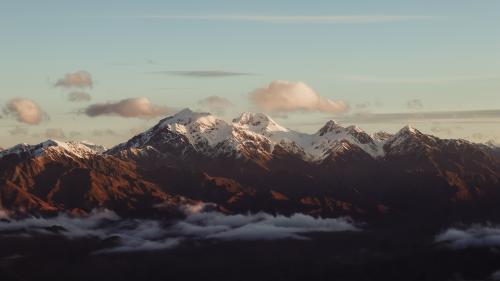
pixel 254 164
pixel 73 176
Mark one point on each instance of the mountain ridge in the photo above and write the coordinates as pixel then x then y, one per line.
pixel 254 164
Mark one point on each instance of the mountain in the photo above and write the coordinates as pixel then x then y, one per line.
pixel 254 164
pixel 251 137
pixel 73 176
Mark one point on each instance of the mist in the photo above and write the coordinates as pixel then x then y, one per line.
pixel 147 234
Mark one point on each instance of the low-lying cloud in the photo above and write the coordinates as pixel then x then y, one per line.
pixel 25 111
pixel 139 107
pixel 476 236
pixel 79 79
pixel 286 96
pixel 144 235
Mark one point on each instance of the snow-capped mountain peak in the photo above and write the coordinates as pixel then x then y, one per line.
pixel 70 148
pixel 187 116
pixel 256 135
pixel 258 122
pixel 329 127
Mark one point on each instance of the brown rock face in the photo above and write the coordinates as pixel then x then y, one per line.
pixel 55 181
pixel 416 175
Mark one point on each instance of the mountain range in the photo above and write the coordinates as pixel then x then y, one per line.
pixel 253 164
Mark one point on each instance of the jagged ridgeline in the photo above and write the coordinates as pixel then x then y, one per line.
pixel 254 164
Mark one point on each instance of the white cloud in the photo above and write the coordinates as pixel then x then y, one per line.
pixel 133 107
pixel 78 79
pixel 285 96
pixel 143 234
pixel 476 236
pixel 25 111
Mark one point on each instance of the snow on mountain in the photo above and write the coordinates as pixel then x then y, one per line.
pixel 492 144
pixel 253 135
pixel 50 147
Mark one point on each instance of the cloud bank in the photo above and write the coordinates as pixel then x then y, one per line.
pixel 78 79
pixel 145 235
pixel 285 96
pixel 133 107
pixel 25 111
pixel 215 104
pixel 476 236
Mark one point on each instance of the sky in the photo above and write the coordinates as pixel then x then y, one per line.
pixel 103 71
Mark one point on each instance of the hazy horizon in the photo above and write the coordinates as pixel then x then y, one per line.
pixel 103 72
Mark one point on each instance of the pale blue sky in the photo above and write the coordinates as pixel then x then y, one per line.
pixel 444 53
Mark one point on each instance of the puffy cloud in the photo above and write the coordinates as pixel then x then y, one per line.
pixel 215 104
pixel 52 133
pixel 79 97
pixel 25 111
pixel 18 131
pixel 285 96
pixel 133 107
pixel 147 235
pixel 415 104
pixel 78 79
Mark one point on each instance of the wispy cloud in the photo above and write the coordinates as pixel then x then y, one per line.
pixel 203 73
pixel 405 117
pixel 415 80
pixel 292 18
pixel 215 104
pixel 79 97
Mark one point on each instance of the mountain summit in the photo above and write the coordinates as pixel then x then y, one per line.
pixel 252 135
pixel 254 164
